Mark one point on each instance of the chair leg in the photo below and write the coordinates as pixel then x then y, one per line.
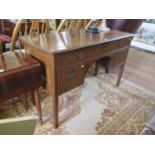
pixel 38 105
pixel 120 75
pixel 25 102
pixel 96 69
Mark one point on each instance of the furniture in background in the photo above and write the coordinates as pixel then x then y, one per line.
pixel 8 26
pixel 67 24
pixel 4 39
pixel 68 55
pixel 97 23
pixel 18 126
pixel 6 29
pixel 22 29
pixel 126 25
pixel 12 29
pixel 20 74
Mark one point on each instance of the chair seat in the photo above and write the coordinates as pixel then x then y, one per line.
pixel 19 73
pixel 4 38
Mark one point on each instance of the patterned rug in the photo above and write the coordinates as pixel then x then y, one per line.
pixel 96 107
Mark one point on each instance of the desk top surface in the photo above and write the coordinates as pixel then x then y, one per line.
pixel 57 42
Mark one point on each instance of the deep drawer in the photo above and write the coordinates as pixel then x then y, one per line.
pixel 71 78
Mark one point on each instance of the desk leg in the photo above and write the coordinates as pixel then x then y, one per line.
pixel 120 75
pixel 52 85
pixel 54 95
pixel 55 111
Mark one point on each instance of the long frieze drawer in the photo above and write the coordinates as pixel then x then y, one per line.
pixel 72 57
pixel 72 77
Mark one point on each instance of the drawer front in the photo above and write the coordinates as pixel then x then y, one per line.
pixel 71 78
pixel 119 57
pixel 72 57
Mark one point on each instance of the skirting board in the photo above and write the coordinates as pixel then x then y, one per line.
pixel 143 46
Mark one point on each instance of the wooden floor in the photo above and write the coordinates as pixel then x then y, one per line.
pixel 140 69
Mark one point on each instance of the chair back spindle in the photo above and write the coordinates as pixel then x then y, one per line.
pixel 67 24
pixel 21 29
pixel 97 23
pixel 34 31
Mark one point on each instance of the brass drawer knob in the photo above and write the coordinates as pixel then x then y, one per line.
pixel 82 66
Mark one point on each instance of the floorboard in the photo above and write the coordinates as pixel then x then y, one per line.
pixel 140 68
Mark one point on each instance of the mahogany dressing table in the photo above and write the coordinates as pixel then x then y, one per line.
pixel 68 55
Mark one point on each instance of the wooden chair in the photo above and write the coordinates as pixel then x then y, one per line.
pixel 67 24
pixel 19 75
pixel 35 29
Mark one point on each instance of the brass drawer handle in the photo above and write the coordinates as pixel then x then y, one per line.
pixel 82 66
pixel 81 56
pixel 72 76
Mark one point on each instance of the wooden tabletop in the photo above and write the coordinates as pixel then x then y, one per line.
pixel 57 42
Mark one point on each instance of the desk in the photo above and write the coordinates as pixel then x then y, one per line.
pixel 67 57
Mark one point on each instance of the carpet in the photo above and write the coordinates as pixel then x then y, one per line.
pixel 96 107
